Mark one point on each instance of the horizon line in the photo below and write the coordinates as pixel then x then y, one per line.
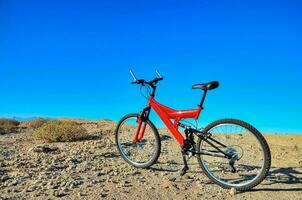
pixel 24 119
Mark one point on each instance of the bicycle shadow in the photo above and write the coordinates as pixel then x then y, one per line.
pixel 287 176
pixel 172 166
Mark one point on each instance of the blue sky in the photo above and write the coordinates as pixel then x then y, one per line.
pixel 71 58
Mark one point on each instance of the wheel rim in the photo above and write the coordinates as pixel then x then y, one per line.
pixel 143 151
pixel 250 161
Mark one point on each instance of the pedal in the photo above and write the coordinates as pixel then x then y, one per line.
pixel 190 155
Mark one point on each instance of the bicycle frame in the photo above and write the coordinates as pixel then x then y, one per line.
pixel 167 114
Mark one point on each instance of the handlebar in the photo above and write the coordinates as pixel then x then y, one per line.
pixel 143 82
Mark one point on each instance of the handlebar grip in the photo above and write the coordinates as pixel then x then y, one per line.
pixel 159 75
pixel 133 76
pixel 140 81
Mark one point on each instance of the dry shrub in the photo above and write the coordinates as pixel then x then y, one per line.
pixel 37 123
pixel 60 131
pixel 8 125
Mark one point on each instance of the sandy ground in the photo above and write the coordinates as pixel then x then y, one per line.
pixel 93 169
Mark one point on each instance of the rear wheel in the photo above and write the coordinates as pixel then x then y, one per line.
pixel 141 153
pixel 249 156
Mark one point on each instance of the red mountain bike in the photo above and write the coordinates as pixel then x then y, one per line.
pixel 232 153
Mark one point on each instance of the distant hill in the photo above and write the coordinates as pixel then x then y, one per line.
pixel 24 119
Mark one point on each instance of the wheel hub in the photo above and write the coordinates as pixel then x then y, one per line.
pixel 235 153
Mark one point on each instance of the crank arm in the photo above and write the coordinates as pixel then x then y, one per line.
pixel 233 168
pixel 182 172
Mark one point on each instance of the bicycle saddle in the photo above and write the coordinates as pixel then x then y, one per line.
pixel 206 86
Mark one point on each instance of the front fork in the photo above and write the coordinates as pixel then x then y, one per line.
pixel 140 131
pixel 142 123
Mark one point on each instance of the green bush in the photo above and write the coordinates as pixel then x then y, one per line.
pixel 8 125
pixel 36 123
pixel 60 131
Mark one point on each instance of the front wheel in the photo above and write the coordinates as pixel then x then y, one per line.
pixel 137 141
pixel 248 157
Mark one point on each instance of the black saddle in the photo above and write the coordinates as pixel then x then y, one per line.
pixel 206 86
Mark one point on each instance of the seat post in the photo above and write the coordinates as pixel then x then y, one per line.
pixel 203 98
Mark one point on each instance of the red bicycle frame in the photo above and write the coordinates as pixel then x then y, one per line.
pixel 167 114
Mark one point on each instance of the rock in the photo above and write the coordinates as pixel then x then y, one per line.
pixel 44 149
pixel 99 174
pixel 13 183
pixel 199 194
pixel 77 183
pixel 95 181
pixel 2 163
pixel 82 194
pixel 103 194
pixel 16 190
pixel 59 193
pixel 172 162
pixel 136 173
pixel 164 173
pixel 4 178
pixel 75 161
pixel 233 191
pixel 166 138
pixel 190 176
pixel 31 189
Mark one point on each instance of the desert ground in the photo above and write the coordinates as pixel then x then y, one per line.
pixel 93 169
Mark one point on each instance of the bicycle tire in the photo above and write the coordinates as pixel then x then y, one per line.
pixel 154 158
pixel 266 152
